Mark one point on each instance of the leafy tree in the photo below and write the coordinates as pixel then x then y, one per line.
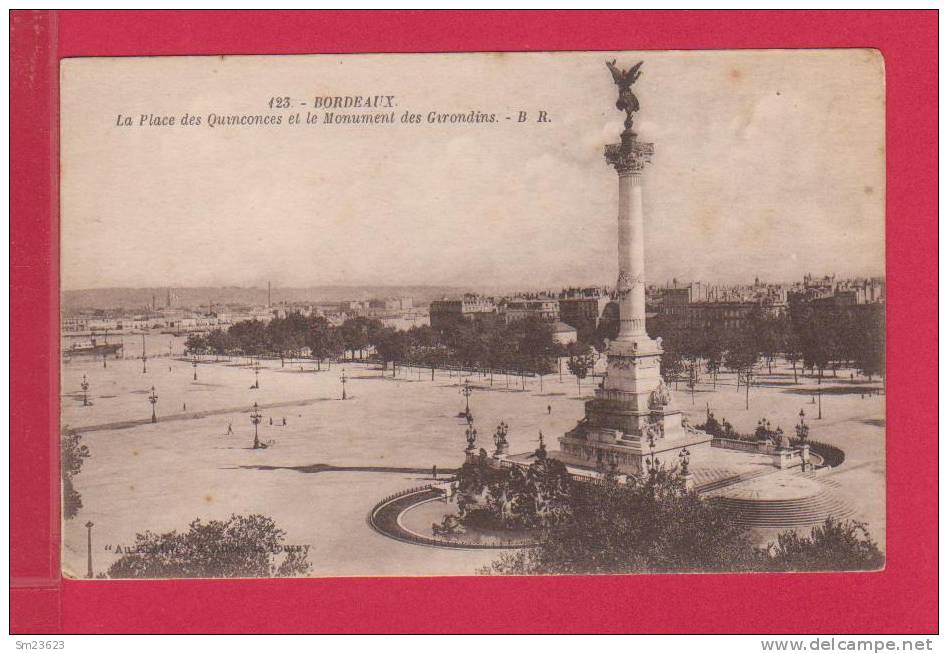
pixel 536 346
pixel 771 336
pixel 286 336
pixel 741 356
pixel 793 350
pixel 391 345
pixel 249 336
pixel 323 340
pixel 648 525
pixel 241 546
pixel 195 343
pixel 652 524
pixel 71 454
pixel 220 342
pixel 580 363
pixel 834 545
pixel 868 342
pixel 360 332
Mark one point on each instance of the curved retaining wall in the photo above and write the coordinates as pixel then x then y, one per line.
pixel 383 518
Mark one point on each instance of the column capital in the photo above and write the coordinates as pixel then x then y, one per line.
pixel 629 157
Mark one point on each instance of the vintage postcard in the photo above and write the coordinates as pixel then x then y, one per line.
pixel 485 313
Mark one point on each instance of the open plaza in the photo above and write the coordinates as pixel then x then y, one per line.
pixel 334 460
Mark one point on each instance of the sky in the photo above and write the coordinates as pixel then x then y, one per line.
pixel 767 164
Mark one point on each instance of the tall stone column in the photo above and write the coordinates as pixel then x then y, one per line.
pixel 629 158
pixel 631 281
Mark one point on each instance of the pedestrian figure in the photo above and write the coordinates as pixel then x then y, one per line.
pixel 549 409
pixel 230 429
pixel 434 472
pixel 184 406
pixel 169 368
pixel 271 421
pixel 284 421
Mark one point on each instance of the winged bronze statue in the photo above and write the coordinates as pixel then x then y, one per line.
pixel 624 79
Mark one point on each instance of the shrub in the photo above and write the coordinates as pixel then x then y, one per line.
pixel 71 454
pixel 241 546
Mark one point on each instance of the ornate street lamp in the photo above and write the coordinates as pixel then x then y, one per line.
pixel 685 457
pixel 650 461
pixel 466 392
pixel 85 391
pixel 802 429
pixel 343 379
pixel 256 374
pixel 144 356
pixel 255 418
pixel 194 364
pixel 471 434
pixel 153 398
pixel 500 439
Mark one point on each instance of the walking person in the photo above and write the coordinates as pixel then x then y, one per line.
pixel 230 429
pixel 549 409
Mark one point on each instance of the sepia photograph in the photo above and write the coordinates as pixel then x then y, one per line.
pixel 469 314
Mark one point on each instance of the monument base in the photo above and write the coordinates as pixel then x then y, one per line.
pixel 627 453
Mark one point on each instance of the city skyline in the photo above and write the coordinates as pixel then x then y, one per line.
pixel 784 174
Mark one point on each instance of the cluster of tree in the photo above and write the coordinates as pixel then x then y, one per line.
pixel 289 337
pixel 72 454
pixel 654 525
pixel 241 546
pixel 526 346
pixel 513 497
pixel 818 340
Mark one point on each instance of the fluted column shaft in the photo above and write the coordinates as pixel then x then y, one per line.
pixel 631 282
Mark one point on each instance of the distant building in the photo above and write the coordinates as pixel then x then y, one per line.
pixel 448 313
pixel 546 309
pixel 583 307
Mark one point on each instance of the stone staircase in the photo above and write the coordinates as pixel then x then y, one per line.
pixel 732 479
pixel 796 512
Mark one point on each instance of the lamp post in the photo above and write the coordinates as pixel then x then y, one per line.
pixel 500 439
pixel 153 398
pixel 89 526
pixel 802 429
pixel 256 374
pixel 685 457
pixel 650 461
pixel 343 379
pixel 819 396
pixel 466 392
pixel 144 356
pixel 194 364
pixel 255 418
pixel 471 434
pixel 85 391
